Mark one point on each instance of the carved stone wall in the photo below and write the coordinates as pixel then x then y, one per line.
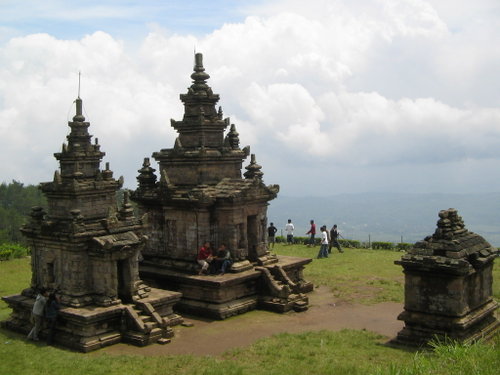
pixel 448 285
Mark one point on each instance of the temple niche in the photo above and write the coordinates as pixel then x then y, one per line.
pixel 448 286
pixel 86 249
pixel 201 195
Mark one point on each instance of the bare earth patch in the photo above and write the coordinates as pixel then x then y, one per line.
pixel 214 337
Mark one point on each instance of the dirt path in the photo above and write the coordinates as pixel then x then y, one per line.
pixel 209 337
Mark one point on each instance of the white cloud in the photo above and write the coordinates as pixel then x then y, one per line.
pixel 360 84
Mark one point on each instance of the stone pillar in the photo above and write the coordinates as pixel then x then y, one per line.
pixel 448 285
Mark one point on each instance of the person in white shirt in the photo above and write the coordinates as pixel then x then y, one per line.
pixel 323 250
pixel 37 314
pixel 289 228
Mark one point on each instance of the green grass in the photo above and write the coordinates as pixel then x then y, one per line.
pixel 15 276
pixel 361 275
pixel 357 275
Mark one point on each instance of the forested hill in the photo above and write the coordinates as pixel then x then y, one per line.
pixel 16 201
pixel 388 216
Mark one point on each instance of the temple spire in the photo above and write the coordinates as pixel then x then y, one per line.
pixel 79 113
pixel 199 76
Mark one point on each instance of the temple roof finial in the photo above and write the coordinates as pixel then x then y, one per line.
pixel 79 113
pixel 253 169
pixel 199 76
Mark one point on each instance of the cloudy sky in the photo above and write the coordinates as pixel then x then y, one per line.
pixel 332 96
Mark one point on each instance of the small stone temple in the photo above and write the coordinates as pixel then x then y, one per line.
pixel 448 286
pixel 201 196
pixel 86 248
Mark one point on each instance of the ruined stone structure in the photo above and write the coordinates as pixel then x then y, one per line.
pixel 202 196
pixel 86 248
pixel 448 285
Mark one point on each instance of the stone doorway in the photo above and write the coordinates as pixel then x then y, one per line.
pixel 252 237
pixel 124 273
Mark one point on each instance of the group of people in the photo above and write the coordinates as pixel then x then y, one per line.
pixel 214 262
pixel 329 239
pixel 44 311
pixel 219 262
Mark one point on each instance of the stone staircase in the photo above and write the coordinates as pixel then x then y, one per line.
pixel 281 293
pixel 144 325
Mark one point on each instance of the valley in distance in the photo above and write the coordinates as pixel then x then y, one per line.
pixel 388 216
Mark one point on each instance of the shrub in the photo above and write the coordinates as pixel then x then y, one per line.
pixel 379 245
pixel 11 250
pixel 280 239
pixel 403 246
pixel 350 243
pixel 5 254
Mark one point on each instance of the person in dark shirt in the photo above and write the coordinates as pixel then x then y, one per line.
pixel 51 310
pixel 222 262
pixel 334 235
pixel 271 234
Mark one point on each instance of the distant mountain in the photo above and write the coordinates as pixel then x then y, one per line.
pixel 388 216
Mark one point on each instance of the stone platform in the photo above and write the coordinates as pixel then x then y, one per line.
pixel 420 328
pixel 89 328
pixel 278 287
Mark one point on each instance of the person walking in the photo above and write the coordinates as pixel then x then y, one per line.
pixel 37 314
pixel 334 235
pixel 323 250
pixel 289 228
pixel 271 234
pixel 312 234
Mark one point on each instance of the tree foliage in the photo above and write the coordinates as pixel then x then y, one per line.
pixel 16 201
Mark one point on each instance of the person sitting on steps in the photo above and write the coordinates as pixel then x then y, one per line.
pixel 204 257
pixel 222 262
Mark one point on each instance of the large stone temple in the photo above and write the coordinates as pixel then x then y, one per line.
pixel 200 196
pixel 448 286
pixel 86 248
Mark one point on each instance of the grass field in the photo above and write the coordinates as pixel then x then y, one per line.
pixel 364 276
pixel 357 275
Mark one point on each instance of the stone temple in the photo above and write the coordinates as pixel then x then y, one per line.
pixel 448 286
pixel 87 248
pixel 202 196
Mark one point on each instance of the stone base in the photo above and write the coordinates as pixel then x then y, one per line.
pixel 218 310
pixel 296 302
pixel 222 296
pixel 420 328
pixel 93 327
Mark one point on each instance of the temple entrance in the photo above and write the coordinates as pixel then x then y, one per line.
pixel 124 276
pixel 252 237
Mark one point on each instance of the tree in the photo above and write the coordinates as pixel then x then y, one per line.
pixel 16 201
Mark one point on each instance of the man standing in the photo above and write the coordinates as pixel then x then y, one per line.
pixel 271 234
pixel 334 235
pixel 312 233
pixel 323 250
pixel 37 314
pixel 289 228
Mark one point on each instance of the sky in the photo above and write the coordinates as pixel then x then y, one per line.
pixel 332 96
